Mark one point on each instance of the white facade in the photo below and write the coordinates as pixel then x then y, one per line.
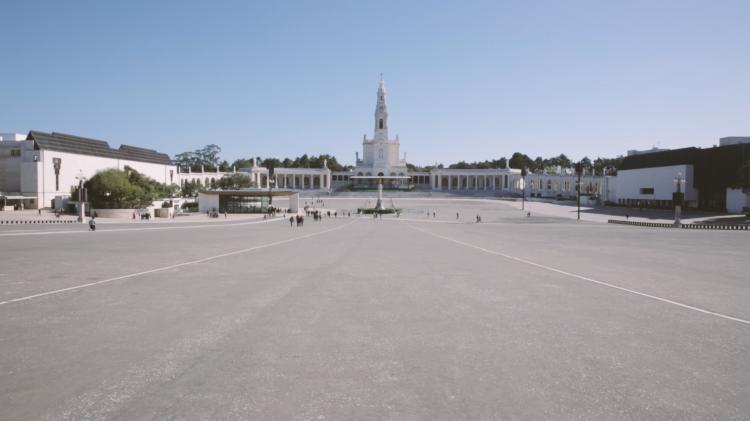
pixel 30 170
pixel 564 185
pixel 655 185
pixel 380 155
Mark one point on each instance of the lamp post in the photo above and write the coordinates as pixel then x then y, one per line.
pixel 81 204
pixel 579 170
pixel 523 188
pixel 677 199
pixel 271 182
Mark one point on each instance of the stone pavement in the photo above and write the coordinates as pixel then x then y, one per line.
pixel 417 317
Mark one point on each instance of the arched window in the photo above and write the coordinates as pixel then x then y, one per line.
pixel 380 153
pixel 380 124
pixel 359 174
pixel 549 184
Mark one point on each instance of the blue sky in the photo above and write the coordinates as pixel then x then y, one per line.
pixel 467 80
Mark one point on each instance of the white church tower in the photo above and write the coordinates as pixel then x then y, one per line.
pixel 380 155
pixel 381 114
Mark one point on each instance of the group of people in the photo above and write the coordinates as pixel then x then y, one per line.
pixel 213 213
pixel 479 217
pixel 299 219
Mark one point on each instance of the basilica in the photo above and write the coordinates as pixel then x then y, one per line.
pixel 40 169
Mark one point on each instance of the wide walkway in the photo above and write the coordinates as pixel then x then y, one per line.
pixel 357 318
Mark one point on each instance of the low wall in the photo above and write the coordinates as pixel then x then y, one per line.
pixel 114 213
pixel 698 226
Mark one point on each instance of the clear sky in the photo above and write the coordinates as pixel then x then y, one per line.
pixel 467 80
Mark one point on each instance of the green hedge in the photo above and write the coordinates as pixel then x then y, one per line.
pixel 370 211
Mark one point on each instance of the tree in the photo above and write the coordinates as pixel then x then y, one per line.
pixel 242 163
pixel 538 164
pixel 191 189
pixel 235 181
pixel 519 161
pixel 586 162
pixel 125 189
pixel 207 157
pixel 303 161
pixel 611 165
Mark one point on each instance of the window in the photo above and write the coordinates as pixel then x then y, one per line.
pixel 647 190
pixel 380 153
pixel 380 124
pixel 15 152
pixel 243 204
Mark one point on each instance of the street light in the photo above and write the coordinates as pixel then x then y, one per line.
pixel 579 170
pixel 523 188
pixel 81 204
pixel 677 199
pixel 271 182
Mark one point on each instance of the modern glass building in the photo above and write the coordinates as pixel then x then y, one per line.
pixel 247 201
pixel 243 204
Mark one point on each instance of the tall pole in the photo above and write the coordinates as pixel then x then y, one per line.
pixel 81 204
pixel 579 170
pixel 523 188
pixel 678 201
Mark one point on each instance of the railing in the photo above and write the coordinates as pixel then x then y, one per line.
pixel 726 227
pixel 37 221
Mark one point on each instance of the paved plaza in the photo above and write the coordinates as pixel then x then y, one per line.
pixel 415 317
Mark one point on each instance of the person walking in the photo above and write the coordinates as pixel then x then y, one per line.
pixel 92 223
pixel 456 215
pixel 291 222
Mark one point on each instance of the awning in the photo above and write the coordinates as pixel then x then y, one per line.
pixel 16 197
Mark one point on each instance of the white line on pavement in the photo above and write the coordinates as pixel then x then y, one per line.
pixel 177 265
pixel 84 229
pixel 584 278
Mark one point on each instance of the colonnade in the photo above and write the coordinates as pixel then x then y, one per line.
pixel 471 182
pixel 302 181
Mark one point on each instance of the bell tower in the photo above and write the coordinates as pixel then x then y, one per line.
pixel 381 114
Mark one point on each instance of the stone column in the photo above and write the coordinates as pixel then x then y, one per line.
pixel 321 180
pixel 450 184
pixel 379 205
